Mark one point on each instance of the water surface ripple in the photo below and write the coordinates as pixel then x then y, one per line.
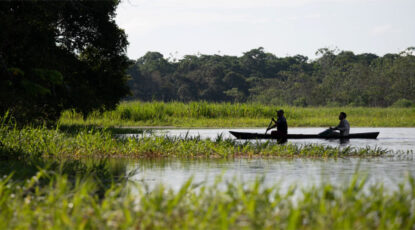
pixel 389 170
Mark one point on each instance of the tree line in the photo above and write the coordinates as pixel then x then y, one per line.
pixel 58 55
pixel 335 78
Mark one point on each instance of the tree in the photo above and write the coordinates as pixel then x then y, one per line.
pixel 335 78
pixel 60 55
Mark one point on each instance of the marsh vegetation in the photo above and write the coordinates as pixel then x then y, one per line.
pixel 101 143
pixel 205 114
pixel 67 120
pixel 50 200
pixel 62 178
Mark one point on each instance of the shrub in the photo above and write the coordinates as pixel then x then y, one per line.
pixel 403 103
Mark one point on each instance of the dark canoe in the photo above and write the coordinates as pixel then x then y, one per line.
pixel 241 135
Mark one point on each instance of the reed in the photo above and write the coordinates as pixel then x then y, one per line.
pixel 40 141
pixel 61 204
pixel 205 114
pixel 44 185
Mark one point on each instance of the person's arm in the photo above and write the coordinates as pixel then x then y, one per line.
pixel 341 129
pixel 341 126
pixel 274 125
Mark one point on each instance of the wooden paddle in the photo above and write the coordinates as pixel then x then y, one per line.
pixel 268 127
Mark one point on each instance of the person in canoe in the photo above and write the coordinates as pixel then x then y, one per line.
pixel 342 129
pixel 281 124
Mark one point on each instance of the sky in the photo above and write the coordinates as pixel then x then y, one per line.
pixel 283 27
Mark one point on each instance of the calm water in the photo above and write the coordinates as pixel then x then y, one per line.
pixel 390 138
pixel 304 172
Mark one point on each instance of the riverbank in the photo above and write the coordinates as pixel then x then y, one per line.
pixel 220 115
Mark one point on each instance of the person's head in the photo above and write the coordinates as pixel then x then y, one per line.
pixel 280 113
pixel 342 115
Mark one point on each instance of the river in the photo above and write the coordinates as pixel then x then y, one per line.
pixel 389 170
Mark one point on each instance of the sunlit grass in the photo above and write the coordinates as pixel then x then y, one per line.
pixel 102 143
pixel 204 114
pixel 43 185
pixel 62 204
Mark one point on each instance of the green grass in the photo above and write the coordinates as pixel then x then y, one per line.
pixel 63 179
pixel 31 141
pixel 74 129
pixel 204 114
pixel 64 204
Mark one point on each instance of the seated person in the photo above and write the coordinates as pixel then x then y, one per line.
pixel 343 126
pixel 280 123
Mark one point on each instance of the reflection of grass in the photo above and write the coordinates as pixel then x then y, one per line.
pixel 63 205
pixel 101 143
pixel 204 114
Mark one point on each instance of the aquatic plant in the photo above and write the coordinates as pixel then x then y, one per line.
pixel 43 185
pixel 40 141
pixel 205 114
pixel 61 204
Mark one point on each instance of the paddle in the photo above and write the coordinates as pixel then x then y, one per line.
pixel 268 126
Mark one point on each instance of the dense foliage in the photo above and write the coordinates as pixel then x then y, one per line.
pixel 335 78
pixel 56 55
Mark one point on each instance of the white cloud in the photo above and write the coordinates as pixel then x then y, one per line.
pixel 147 15
pixel 313 16
pixel 285 26
pixel 383 29
pixel 233 3
pixel 143 19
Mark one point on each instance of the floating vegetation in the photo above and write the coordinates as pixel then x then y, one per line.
pixel 35 141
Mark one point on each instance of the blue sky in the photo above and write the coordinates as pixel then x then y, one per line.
pixel 283 27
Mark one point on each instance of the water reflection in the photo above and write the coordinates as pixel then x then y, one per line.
pixel 304 172
pixel 391 138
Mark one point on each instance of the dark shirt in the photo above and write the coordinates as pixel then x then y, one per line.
pixel 343 127
pixel 282 125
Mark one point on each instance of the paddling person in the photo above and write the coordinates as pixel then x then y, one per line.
pixel 343 126
pixel 281 124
